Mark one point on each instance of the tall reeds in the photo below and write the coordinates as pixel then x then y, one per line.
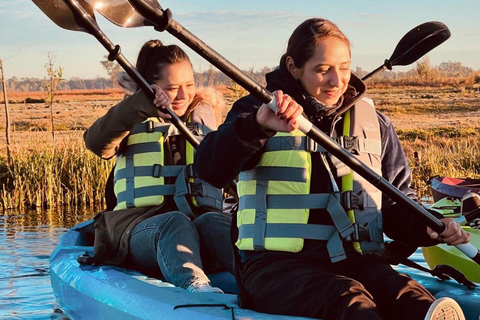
pixel 43 174
pixel 443 156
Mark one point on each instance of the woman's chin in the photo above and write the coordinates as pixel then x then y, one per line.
pixel 179 111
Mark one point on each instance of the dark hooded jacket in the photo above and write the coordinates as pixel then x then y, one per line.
pixel 238 145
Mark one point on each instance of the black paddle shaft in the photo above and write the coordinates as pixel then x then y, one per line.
pixel 86 21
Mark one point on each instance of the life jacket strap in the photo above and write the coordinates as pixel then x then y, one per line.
pixel 189 184
pixel 151 126
pixel 143 147
pixel 273 173
pixel 279 143
pixel 156 171
pixel 290 230
pixel 130 194
pixel 354 145
pixel 357 145
pixel 349 200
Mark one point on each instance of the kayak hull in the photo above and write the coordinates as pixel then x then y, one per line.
pixel 443 187
pixel 107 292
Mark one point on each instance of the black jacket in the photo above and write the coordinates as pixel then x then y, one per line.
pixel 237 146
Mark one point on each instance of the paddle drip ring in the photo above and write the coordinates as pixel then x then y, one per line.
pixel 167 19
pixel 113 55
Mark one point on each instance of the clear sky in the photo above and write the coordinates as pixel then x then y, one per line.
pixel 251 34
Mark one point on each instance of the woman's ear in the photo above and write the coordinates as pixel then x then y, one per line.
pixel 290 64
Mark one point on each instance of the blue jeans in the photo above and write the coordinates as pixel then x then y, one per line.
pixel 168 245
pixel 215 245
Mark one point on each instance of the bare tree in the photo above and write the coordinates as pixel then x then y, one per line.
pixel 54 76
pixel 113 69
pixel 7 113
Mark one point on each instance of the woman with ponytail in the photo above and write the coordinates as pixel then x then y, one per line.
pixel 149 224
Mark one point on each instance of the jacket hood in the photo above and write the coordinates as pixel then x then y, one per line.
pixel 207 95
pixel 212 97
pixel 282 79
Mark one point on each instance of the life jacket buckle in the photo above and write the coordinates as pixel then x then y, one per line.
pixel 360 233
pixel 194 189
pixel 350 144
pixel 149 126
pixel 156 170
pixel 190 172
pixel 311 145
pixel 352 200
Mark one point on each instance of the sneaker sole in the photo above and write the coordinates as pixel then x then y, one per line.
pixel 446 310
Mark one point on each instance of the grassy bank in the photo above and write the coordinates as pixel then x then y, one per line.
pixel 438 127
pixel 42 174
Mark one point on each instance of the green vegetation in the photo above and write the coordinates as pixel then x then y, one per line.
pixel 434 154
pixel 44 174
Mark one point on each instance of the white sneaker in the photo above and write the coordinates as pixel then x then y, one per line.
pixel 203 288
pixel 445 309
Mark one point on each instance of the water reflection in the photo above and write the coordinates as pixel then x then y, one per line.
pixel 26 242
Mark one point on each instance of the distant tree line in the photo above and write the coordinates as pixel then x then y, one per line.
pixel 446 72
pixel 212 77
pixel 35 84
pixel 209 77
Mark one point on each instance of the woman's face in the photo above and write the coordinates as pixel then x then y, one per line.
pixel 179 85
pixel 326 74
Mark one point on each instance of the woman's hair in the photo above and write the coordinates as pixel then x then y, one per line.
pixel 154 56
pixel 302 42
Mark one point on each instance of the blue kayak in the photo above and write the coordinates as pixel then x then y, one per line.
pixel 107 292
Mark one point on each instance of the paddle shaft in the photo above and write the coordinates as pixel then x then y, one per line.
pixel 81 16
pixel 469 216
pixel 164 21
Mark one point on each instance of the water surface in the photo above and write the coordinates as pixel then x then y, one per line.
pixel 26 242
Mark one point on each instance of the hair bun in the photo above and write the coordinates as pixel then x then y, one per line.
pixel 156 43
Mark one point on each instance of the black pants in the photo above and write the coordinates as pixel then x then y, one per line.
pixel 365 287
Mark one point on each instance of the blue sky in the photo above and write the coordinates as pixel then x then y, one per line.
pixel 251 34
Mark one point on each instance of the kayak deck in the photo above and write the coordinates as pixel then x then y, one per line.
pixel 108 292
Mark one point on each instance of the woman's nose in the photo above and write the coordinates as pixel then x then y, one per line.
pixel 335 78
pixel 181 93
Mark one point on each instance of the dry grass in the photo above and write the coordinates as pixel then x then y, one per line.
pixel 70 95
pixel 440 123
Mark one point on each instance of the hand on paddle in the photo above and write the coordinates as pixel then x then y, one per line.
pixel 161 101
pixel 283 120
pixel 453 234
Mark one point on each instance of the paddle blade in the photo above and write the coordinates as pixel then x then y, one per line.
pixel 150 10
pixel 418 41
pixel 59 12
pixel 119 12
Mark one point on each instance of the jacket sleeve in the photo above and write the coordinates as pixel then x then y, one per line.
pixel 234 147
pixel 105 135
pixel 399 224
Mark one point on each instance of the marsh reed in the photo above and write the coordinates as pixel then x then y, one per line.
pixel 444 156
pixel 46 175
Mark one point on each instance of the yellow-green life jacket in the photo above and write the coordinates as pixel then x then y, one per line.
pixel 141 171
pixel 275 199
